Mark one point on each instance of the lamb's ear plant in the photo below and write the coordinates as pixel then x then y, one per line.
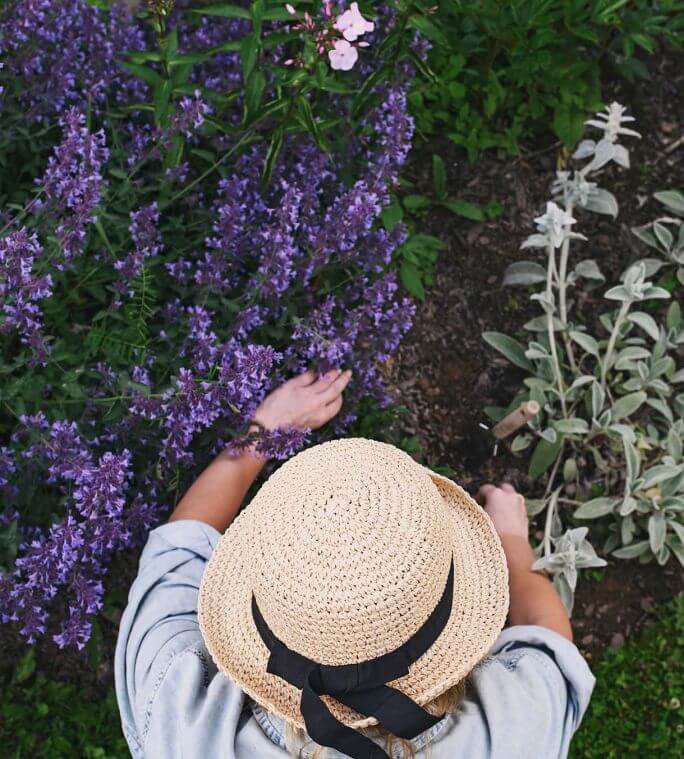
pixel 602 366
pixel 666 233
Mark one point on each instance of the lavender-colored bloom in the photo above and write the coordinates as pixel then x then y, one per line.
pixel 101 488
pixel 65 52
pixel 287 277
pixel 190 114
pixel 178 174
pixel 279 444
pixel 21 289
pixel 72 183
pixel 278 249
pixel 86 599
pixel 144 229
pixel 393 126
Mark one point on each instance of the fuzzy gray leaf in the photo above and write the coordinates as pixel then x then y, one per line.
pixel 524 273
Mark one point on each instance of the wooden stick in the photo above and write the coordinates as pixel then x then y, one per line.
pixel 515 420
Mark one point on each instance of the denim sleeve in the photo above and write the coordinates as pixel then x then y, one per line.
pixel 164 674
pixel 532 692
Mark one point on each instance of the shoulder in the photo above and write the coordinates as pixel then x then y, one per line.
pixel 530 693
pixel 189 709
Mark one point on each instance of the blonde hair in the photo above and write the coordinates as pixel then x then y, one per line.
pixel 448 703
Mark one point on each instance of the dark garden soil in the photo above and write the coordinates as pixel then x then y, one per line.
pixel 446 375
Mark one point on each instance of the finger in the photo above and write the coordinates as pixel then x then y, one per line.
pixel 336 387
pixel 323 382
pixel 333 408
pixel 326 413
pixel 506 486
pixel 305 379
pixel 483 493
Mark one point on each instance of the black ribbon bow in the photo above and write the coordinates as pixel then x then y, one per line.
pixel 362 687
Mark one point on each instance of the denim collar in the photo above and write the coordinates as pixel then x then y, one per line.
pixel 274 728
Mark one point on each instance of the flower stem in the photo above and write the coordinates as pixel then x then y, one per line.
pixel 549 328
pixel 562 294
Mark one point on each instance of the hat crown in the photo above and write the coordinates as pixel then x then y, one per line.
pixel 354 550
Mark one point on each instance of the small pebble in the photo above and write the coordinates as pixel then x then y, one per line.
pixel 617 640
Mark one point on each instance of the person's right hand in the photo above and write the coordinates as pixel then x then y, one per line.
pixel 304 402
pixel 506 509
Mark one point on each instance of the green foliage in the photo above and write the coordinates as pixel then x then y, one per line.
pixel 500 72
pixel 44 718
pixel 636 710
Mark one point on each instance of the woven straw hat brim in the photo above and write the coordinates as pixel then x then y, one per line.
pixel 479 612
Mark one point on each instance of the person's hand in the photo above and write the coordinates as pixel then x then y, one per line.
pixel 304 402
pixel 506 509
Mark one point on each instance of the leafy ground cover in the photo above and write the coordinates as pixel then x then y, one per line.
pixel 637 708
pixel 499 73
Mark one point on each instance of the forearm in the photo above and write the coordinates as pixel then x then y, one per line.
pixel 216 495
pixel 534 600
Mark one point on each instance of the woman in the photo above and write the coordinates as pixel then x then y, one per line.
pixel 356 604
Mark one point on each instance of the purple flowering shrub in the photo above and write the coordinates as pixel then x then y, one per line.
pixel 186 221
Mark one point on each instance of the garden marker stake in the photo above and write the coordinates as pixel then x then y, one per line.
pixel 515 420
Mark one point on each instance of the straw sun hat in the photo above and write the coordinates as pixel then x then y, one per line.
pixel 353 554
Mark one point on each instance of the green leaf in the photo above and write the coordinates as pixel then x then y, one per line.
pixel 224 10
pixel 568 123
pixel 673 199
pixel 544 455
pixel 524 273
pixel 465 209
pixel 510 348
pixel 254 91
pixel 272 155
pixel 597 507
pixel 367 88
pixel 574 426
pixel 657 528
pixel 438 177
pixel 586 342
pixel 632 550
pixel 412 280
pixel 391 215
pixel 25 667
pixel 659 473
pixel 143 72
pixel 646 322
pixel 162 101
pixel 306 113
pixel 627 405
pixel 415 202
pixel 429 29
pixel 249 49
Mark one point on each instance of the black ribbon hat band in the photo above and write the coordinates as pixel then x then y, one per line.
pixel 362 687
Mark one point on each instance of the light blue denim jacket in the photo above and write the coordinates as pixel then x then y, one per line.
pixel 526 699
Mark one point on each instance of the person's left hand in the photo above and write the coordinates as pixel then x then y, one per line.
pixel 304 402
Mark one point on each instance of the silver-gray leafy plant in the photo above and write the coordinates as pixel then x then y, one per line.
pixel 610 431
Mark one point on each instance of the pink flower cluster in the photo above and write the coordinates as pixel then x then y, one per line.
pixel 350 24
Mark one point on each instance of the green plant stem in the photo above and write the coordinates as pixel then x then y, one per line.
pixel 211 169
pixel 24 211
pixel 619 321
pixel 550 513
pixel 562 295
pixel 549 328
